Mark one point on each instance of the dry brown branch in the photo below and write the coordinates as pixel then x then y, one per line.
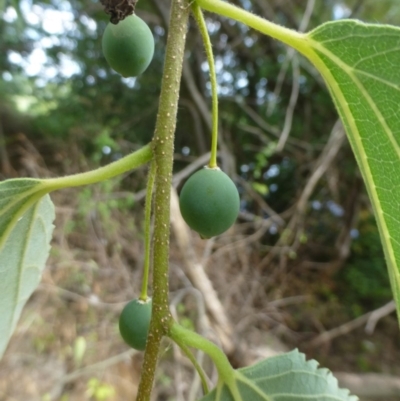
pixel 340 330
pixel 197 125
pixel 265 127
pixel 196 95
pixel 325 159
pixel 331 149
pixel 287 125
pixel 289 55
pixel 371 318
pixel 91 300
pixel 378 314
pixel 260 201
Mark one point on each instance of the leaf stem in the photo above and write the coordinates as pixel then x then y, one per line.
pixel 197 366
pixel 198 15
pixel 285 35
pixel 190 338
pixel 129 162
pixel 147 230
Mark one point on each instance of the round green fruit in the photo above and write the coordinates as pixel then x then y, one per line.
pixel 134 323
pixel 128 46
pixel 209 202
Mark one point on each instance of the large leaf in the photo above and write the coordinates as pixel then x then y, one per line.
pixel 26 217
pixel 287 377
pixel 360 63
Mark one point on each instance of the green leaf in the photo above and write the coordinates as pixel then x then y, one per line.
pixel 26 216
pixel 15 197
pixel 286 377
pixel 360 63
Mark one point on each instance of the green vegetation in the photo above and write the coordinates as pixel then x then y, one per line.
pixel 301 236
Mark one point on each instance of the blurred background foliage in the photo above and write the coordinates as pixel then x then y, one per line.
pixel 61 105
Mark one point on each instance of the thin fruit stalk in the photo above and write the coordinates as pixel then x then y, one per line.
pixel 163 146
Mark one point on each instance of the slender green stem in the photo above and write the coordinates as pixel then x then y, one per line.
pixel 198 15
pixel 163 149
pixel 147 230
pixel 285 35
pixel 189 338
pixel 129 162
pixel 197 366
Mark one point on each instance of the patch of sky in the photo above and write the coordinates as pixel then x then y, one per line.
pixel 246 4
pixel 302 79
pixel 244 168
pixel 334 208
pixel 106 150
pixel 47 42
pixel 316 205
pixel 10 15
pixel 101 73
pixel 340 11
pixel 89 23
pixel 219 64
pixel 68 66
pixel 226 77
pixel 354 233
pixel 271 97
pixel 6 76
pixel 281 58
pixel 90 79
pixel 159 30
pixel 273 187
pixel 223 39
pixel 186 151
pixel 225 91
pixel 241 80
pixel 213 26
pixel 273 171
pixel 273 229
pixel 261 90
pixel 229 59
pixel 58 24
pixel 248 41
pixel 129 82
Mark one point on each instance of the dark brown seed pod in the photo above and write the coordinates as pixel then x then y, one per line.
pixel 119 9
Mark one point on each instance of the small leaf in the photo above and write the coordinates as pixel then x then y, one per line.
pixel 26 227
pixel 286 377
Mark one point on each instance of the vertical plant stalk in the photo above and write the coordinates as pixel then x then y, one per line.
pixel 163 148
pixel 147 230
pixel 198 15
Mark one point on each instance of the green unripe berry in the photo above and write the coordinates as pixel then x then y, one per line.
pixel 134 323
pixel 209 202
pixel 128 46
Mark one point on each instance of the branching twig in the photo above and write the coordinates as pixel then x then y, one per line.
pixel 371 318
